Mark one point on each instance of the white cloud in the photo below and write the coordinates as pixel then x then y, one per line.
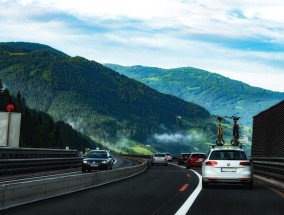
pixel 241 39
pixel 174 138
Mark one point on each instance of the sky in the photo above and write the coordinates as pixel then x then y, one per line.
pixel 239 39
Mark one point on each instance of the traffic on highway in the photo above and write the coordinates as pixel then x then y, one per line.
pixel 161 189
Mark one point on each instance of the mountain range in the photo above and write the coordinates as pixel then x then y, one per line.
pixel 112 109
pixel 218 94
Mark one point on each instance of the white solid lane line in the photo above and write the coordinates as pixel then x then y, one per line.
pixel 187 204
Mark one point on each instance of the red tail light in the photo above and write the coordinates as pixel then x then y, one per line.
pixel 165 159
pixel 245 163
pixel 153 158
pixel 211 163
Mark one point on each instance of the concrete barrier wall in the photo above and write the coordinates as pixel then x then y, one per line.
pixel 25 192
pixel 1 197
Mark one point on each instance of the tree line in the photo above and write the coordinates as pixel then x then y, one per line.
pixel 38 129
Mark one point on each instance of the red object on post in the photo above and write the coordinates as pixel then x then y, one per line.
pixel 10 108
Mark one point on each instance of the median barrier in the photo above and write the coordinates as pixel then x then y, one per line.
pixel 15 194
pixel 1 197
pixel 19 166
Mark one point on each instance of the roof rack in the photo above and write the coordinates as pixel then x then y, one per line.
pixel 226 146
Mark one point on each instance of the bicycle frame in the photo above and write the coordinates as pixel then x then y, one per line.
pixel 220 141
pixel 236 132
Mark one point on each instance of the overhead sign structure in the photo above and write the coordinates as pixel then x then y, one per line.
pixel 10 124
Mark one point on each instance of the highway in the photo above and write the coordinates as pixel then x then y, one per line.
pixel 160 190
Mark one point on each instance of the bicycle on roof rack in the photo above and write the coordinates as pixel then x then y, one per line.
pixel 220 141
pixel 236 132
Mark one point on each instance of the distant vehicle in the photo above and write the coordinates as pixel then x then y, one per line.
pixel 97 159
pixel 169 156
pixel 195 160
pixel 227 165
pixel 159 158
pixel 182 158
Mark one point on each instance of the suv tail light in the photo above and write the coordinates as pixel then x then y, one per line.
pixel 245 163
pixel 211 163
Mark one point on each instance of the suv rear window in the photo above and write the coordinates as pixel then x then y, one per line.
pixel 198 156
pixel 228 155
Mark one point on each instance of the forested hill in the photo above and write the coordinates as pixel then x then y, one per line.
pixel 25 47
pixel 218 94
pixel 92 98
pixel 38 130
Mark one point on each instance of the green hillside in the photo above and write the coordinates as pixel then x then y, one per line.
pixel 110 108
pixel 218 94
pixel 38 130
pixel 25 47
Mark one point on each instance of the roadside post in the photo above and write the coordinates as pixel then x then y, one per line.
pixel 10 123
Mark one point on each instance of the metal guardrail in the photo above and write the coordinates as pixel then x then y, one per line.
pixel 269 167
pixel 15 194
pixel 28 153
pixel 15 161
pixel 20 166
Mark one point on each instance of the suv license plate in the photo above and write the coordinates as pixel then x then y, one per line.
pixel 228 169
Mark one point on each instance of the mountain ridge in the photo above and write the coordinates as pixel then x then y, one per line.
pixel 210 90
pixel 94 99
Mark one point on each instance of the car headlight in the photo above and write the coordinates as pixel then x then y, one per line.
pixel 85 161
pixel 104 162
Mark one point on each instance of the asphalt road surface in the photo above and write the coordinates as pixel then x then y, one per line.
pixel 237 200
pixel 160 190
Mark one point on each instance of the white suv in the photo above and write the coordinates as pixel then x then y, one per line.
pixel 227 164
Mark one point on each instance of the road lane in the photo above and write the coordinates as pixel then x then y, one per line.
pixel 236 200
pixel 156 191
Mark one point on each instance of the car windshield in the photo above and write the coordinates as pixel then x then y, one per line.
pixel 159 155
pixel 97 154
pixel 228 155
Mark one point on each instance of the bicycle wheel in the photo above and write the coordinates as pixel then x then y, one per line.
pixel 235 142
pixel 220 141
pixel 236 134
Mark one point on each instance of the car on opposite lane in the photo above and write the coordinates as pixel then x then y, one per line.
pixel 97 159
pixel 227 165
pixel 195 160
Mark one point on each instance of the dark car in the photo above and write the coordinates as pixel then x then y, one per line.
pixel 97 159
pixel 182 158
pixel 195 160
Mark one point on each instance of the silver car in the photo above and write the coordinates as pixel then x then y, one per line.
pixel 169 156
pixel 159 158
pixel 227 165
